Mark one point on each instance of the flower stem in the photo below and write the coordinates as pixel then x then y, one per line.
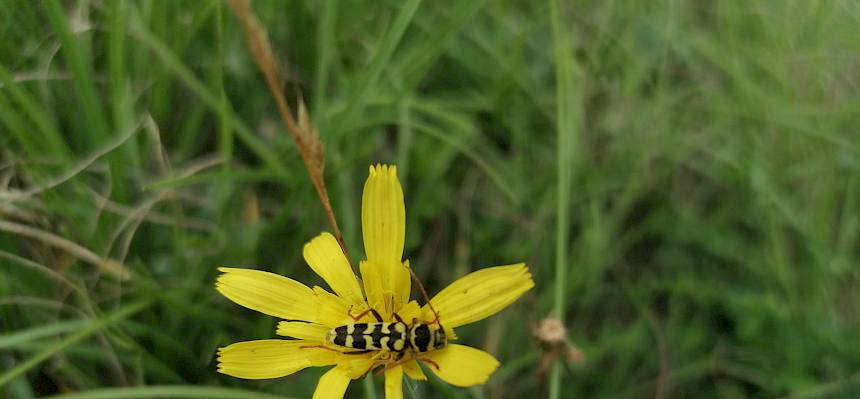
pixel 369 390
pixel 567 117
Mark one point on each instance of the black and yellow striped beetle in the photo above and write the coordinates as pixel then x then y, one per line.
pixel 388 336
pixel 397 337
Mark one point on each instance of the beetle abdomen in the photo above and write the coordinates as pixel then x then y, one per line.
pixel 370 336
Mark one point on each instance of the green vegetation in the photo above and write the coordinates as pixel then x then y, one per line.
pixel 699 162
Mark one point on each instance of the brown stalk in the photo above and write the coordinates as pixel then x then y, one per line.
pixel 304 135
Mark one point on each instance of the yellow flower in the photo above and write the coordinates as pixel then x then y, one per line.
pixel 310 313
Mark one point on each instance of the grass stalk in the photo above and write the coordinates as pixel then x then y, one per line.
pixel 225 131
pixel 206 96
pixel 304 135
pixel 567 117
pixel 327 52
pixel 369 389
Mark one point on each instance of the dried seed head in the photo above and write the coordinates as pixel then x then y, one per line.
pixel 550 331
pixel 551 334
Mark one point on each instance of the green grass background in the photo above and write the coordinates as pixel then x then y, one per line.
pixel 681 176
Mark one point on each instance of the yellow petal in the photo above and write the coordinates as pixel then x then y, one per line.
pixel 480 294
pixel 319 356
pixel 394 383
pixel 409 311
pixel 383 222
pixel 301 330
pixel 413 370
pixel 402 282
pixel 461 365
pixel 269 358
pixel 331 309
pixel 324 255
pixel 383 215
pixel 387 289
pixel 332 384
pixel 355 366
pixel 373 288
pixel 268 293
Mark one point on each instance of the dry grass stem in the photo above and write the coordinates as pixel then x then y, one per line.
pixel 7 195
pixel 106 265
pixel 303 133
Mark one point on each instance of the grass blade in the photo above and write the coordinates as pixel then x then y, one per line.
pixel 213 101
pixel 170 391
pixel 84 333
pixel 567 119
pixel 356 100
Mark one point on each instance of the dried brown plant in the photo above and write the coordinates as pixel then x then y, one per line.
pixel 302 131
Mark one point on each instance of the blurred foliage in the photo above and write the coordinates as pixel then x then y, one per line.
pixel 714 212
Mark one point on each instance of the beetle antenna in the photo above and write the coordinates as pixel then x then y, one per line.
pixel 424 293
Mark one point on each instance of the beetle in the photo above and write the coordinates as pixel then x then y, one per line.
pixel 388 336
pixel 397 337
